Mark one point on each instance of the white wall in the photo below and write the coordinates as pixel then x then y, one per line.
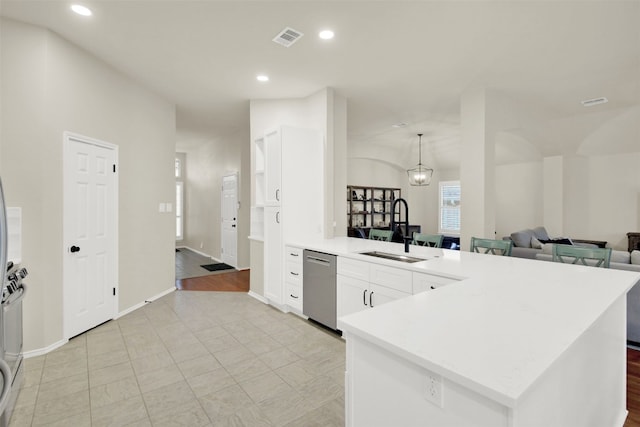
pixel 50 86
pixel 519 201
pixel 207 162
pixel 601 197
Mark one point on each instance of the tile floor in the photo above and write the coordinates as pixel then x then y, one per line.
pixel 188 264
pixel 193 359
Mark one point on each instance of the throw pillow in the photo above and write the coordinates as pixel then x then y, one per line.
pixel 621 257
pixel 522 239
pixel 541 233
pixel 535 243
pixel 635 257
pixel 558 241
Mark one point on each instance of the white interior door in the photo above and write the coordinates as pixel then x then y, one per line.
pixel 230 220
pixel 90 233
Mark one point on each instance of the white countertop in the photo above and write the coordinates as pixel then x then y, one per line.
pixel 498 329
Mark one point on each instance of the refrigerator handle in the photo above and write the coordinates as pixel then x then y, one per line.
pixel 6 387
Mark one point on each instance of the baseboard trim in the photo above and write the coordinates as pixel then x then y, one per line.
pixel 258 297
pixel 142 304
pixel 198 252
pixel 45 350
pixel 58 344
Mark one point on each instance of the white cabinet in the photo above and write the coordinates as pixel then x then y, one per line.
pixel 363 285
pixel 273 254
pixel 293 278
pixel 351 295
pixel 273 168
pixel 425 282
pixel 290 186
pixel 391 277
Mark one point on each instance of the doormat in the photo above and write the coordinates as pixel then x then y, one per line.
pixel 217 267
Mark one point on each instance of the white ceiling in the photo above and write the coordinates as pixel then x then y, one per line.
pixel 394 61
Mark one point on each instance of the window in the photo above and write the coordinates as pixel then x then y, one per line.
pixel 449 207
pixel 178 168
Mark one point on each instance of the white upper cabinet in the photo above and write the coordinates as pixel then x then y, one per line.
pixel 273 168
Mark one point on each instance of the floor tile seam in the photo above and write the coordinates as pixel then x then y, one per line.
pixel 42 377
pixel 144 402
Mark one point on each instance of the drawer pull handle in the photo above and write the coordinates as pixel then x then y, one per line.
pixel 364 297
pixel 294 274
pixel 433 287
pixel 292 254
pixel 293 296
pixel 370 301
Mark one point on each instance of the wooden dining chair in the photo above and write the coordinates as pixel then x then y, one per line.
pixel 432 240
pixel 385 235
pixel 489 246
pixel 594 257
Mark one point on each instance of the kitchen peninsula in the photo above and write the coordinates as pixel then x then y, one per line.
pixel 504 342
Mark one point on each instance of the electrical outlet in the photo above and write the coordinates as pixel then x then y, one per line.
pixel 433 389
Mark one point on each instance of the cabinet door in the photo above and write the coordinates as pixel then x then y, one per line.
pixel 273 169
pixel 352 294
pixel 425 282
pixel 379 295
pixel 273 250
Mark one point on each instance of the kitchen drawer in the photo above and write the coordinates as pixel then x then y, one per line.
pixel 293 254
pixel 293 273
pixel 353 268
pixel 294 296
pixel 391 277
pixel 425 282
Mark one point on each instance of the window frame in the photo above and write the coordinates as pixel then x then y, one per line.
pixel 441 208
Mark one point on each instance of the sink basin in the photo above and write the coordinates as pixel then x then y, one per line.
pixel 394 257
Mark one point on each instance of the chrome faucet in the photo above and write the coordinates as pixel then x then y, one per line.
pixel 406 221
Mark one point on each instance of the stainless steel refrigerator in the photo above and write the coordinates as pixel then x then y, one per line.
pixel 13 290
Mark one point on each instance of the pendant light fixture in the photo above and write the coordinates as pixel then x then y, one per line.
pixel 420 175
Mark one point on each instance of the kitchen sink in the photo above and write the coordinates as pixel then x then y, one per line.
pixel 394 257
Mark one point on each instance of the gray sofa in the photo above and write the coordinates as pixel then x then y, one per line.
pixel 528 243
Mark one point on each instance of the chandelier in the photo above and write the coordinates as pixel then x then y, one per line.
pixel 420 175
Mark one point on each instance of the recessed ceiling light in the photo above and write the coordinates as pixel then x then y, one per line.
pixel 326 34
pixel 81 10
pixel 594 101
pixel 398 125
pixel 262 78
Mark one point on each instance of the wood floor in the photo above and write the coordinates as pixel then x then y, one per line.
pixel 235 281
pixel 238 281
pixel 633 388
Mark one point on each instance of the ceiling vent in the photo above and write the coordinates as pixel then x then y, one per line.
pixel 287 37
pixel 594 101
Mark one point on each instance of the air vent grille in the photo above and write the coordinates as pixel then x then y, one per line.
pixel 594 101
pixel 287 37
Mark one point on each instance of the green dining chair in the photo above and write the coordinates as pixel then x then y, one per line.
pixel 568 254
pixel 489 246
pixel 385 235
pixel 432 240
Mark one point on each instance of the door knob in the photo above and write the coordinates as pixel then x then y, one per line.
pixel 74 249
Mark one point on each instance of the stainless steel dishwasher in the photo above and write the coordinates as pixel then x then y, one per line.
pixel 319 287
